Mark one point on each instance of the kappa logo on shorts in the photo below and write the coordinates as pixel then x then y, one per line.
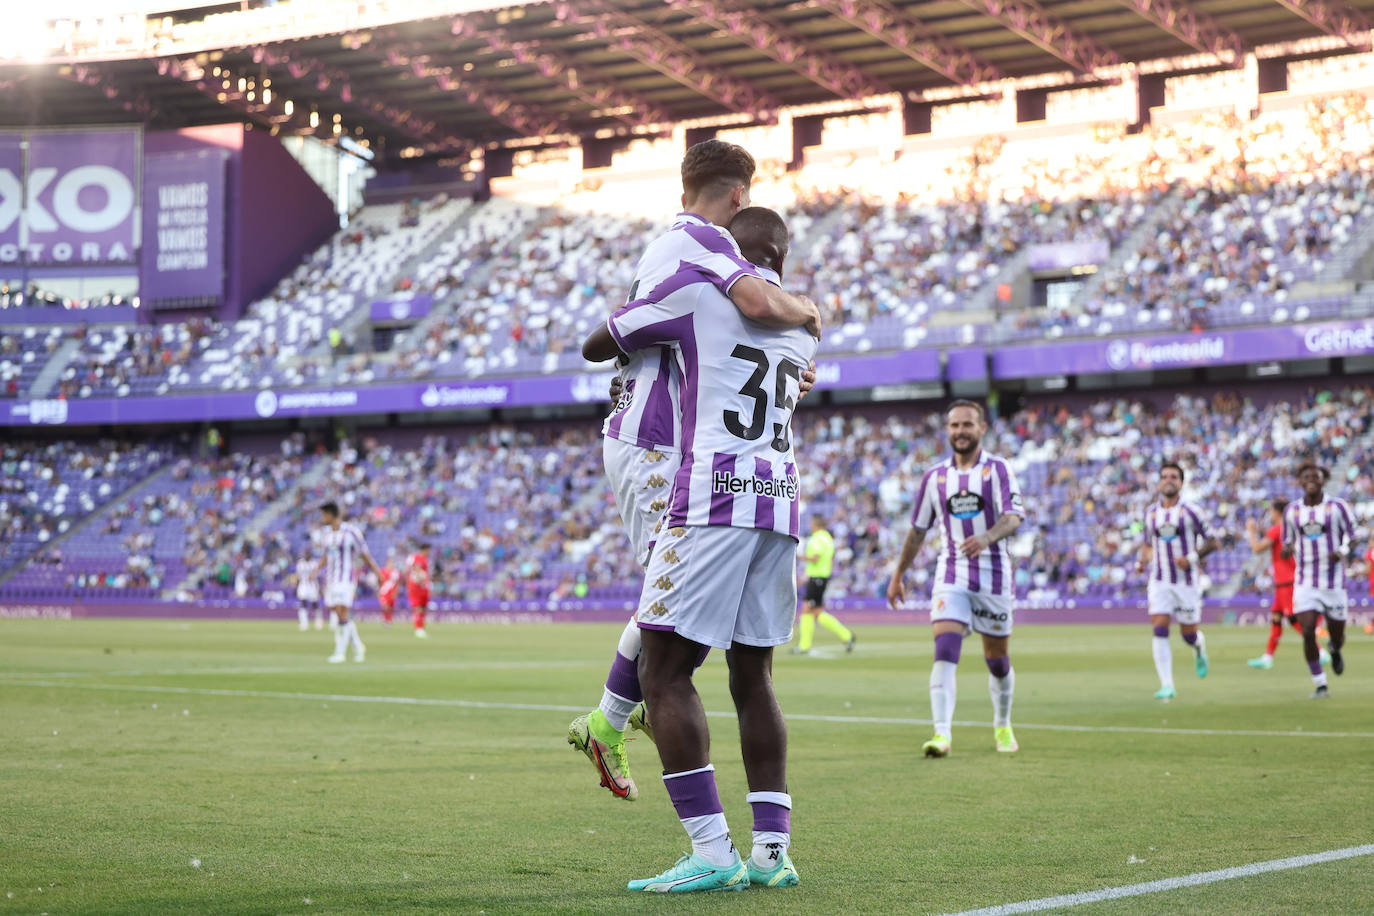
pixel 656 481
pixel 657 609
pixel 678 532
pixel 653 456
pixel 658 505
pixel 664 584
pixel 670 557
pixel 939 604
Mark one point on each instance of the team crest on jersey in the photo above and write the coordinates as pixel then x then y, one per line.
pixel 657 609
pixel 1166 532
pixel 965 505
pixel 987 472
pixel 678 532
pixel 653 456
pixel 1313 530
pixel 656 481
pixel 664 584
pixel 670 557
pixel 658 505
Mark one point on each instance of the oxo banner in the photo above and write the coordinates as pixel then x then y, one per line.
pixel 82 195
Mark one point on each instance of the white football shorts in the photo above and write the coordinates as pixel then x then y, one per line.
pixel 340 594
pixel 641 479
pixel 989 615
pixel 1181 602
pixel 1331 603
pixel 717 586
pixel 308 592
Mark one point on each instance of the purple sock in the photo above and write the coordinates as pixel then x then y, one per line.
pixel 1315 667
pixel 947 646
pixel 1162 631
pixel 623 681
pixel 771 818
pixel 1189 638
pixel 694 794
pixel 999 667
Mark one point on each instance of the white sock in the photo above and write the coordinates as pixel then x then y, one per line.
pixel 1319 679
pixel 1200 646
pixel 1001 689
pixel 1268 657
pixel 769 845
pixel 616 709
pixel 340 640
pixel 351 634
pixel 942 695
pixel 631 643
pixel 1164 661
pixel 304 617
pixel 711 839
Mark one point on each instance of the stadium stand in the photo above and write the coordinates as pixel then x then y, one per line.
pixel 520 513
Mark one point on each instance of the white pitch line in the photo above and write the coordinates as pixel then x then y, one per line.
pixel 1170 884
pixel 296 669
pixel 547 707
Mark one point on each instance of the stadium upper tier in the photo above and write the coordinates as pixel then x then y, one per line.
pixel 524 512
pixel 1212 224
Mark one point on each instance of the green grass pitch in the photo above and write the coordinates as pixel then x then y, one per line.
pixel 214 767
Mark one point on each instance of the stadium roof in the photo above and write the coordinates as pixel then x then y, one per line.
pixel 604 67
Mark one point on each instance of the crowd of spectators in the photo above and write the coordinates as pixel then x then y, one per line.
pixel 523 512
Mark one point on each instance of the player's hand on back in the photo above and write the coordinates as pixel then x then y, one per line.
pixel 807 379
pixel 813 324
pixel 617 386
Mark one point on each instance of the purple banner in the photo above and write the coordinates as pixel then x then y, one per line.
pixel 961 365
pixel 1219 348
pixel 412 309
pixel 183 225
pixel 50 315
pixel 1067 255
pixel 81 189
pixel 866 371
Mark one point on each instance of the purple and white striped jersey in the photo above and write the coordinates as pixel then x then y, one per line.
pixel 343 546
pixel 740 383
pixel 648 413
pixel 1320 538
pixel 1172 533
pixel 967 503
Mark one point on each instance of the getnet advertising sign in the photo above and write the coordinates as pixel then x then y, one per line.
pixel 69 198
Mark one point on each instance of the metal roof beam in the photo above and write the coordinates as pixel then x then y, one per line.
pixel 631 108
pixel 524 119
pixel 1049 33
pixel 786 46
pixel 915 39
pixel 1334 17
pixel 1193 27
pixel 657 49
pixel 427 132
pixel 191 72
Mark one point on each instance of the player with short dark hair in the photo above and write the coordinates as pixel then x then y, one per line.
pixel 343 546
pixel 1283 572
pixel 973 497
pixel 723 573
pixel 818 556
pixel 1174 541
pixel 1318 532
pixel 642 444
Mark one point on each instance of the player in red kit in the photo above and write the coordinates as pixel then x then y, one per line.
pixel 1283 571
pixel 390 587
pixel 417 588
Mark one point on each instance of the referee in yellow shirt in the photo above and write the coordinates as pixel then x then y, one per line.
pixel 819 559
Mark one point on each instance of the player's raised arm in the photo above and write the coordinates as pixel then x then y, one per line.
pixel 773 307
pixel 1257 544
